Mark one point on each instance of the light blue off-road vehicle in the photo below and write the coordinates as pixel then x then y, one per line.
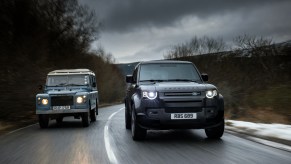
pixel 71 92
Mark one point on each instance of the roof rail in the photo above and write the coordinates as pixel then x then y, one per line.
pixel 71 71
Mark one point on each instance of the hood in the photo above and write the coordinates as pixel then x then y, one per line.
pixel 64 91
pixel 177 87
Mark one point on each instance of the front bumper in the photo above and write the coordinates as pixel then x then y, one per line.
pixel 157 114
pixel 162 120
pixel 61 111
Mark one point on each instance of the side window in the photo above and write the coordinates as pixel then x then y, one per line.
pixel 94 81
pixel 87 80
pixel 91 82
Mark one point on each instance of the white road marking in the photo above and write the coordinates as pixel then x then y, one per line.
pixel 108 146
pixel 21 128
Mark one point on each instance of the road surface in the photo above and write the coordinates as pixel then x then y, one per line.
pixel 107 141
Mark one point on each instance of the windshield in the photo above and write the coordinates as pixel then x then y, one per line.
pixel 67 80
pixel 168 72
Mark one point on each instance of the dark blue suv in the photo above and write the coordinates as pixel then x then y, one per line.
pixel 172 95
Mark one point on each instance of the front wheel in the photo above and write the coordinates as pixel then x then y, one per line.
pixel 93 114
pixel 137 132
pixel 127 118
pixel 85 119
pixel 43 120
pixel 96 108
pixel 215 132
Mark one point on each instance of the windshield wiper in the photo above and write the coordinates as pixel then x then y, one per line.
pixel 188 80
pixel 152 80
pixel 61 84
pixel 74 85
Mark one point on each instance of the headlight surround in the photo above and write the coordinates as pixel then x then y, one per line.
pixel 150 95
pixel 211 93
pixel 44 101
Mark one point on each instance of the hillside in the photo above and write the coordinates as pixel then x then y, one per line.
pixel 251 91
pixel 38 37
pixel 255 87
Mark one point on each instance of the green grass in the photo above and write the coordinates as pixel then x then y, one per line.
pixel 278 98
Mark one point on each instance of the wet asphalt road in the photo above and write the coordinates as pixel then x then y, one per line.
pixel 107 141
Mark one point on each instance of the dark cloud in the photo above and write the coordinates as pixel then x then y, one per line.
pixel 123 15
pixel 137 30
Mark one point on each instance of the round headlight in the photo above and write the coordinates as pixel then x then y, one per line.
pixel 79 100
pixel 211 93
pixel 150 95
pixel 44 101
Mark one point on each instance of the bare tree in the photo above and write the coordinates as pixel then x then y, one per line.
pixel 107 57
pixel 212 45
pixel 67 19
pixel 196 46
pixel 259 47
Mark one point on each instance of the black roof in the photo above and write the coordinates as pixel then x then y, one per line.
pixel 163 61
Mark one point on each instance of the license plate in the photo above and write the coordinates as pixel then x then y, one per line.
pixel 61 107
pixel 183 116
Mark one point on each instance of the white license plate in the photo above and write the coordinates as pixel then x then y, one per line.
pixel 61 107
pixel 183 116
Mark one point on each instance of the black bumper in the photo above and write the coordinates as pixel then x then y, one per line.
pixel 157 115
pixel 163 121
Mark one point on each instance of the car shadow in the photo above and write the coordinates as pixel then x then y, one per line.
pixel 69 123
pixel 186 136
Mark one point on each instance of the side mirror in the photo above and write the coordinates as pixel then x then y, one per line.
pixel 94 85
pixel 129 79
pixel 40 87
pixel 204 77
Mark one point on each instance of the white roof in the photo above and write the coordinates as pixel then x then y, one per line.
pixel 71 71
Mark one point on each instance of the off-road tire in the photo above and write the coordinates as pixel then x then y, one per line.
pixel 93 115
pixel 43 120
pixel 96 108
pixel 127 118
pixel 137 132
pixel 215 132
pixel 85 119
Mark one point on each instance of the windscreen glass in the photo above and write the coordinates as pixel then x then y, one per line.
pixel 67 80
pixel 168 72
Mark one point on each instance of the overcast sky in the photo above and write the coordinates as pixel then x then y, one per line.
pixel 141 30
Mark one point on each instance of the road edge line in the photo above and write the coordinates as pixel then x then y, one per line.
pixel 108 147
pixel 20 129
pixel 261 141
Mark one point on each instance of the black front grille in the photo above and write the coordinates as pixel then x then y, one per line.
pixel 62 100
pixel 183 109
pixel 182 93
